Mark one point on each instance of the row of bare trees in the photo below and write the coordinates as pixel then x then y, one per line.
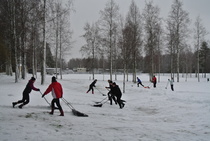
pixel 144 36
pixel 30 30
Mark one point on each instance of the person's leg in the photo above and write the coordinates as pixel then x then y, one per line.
pixel 120 102
pixel 52 106
pixel 25 100
pixel 172 87
pixel 19 101
pixel 114 98
pixel 88 89
pixel 59 107
pixel 110 97
pixel 92 90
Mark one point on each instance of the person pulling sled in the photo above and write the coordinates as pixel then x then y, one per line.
pixel 139 82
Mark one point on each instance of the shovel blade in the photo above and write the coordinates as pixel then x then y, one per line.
pixel 79 114
pixel 98 105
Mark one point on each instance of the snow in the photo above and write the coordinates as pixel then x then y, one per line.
pixel 155 114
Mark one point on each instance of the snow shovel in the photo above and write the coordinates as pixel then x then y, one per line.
pixel 101 100
pixel 101 92
pixel 45 99
pixel 99 104
pixel 74 111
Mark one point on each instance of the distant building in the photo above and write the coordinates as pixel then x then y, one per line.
pixel 52 71
pixel 80 70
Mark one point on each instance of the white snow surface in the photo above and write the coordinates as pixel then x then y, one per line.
pixel 155 114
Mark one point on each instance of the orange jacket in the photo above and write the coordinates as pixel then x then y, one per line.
pixel 56 88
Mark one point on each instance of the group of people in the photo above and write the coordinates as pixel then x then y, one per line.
pixel 55 87
pixel 154 81
pixel 114 93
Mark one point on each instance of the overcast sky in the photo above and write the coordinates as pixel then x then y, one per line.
pixel 88 11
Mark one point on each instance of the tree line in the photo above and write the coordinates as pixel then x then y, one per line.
pixel 144 41
pixel 37 34
pixel 30 30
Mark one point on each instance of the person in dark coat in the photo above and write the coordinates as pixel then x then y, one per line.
pixel 139 82
pixel 154 81
pixel 110 95
pixel 26 99
pixel 91 86
pixel 117 92
pixel 57 93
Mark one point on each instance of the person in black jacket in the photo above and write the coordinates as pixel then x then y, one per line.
pixel 117 92
pixel 25 100
pixel 91 86
pixel 110 95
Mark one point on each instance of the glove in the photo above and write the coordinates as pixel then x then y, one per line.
pixel 38 90
pixel 43 95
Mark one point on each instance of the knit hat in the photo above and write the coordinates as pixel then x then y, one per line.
pixel 54 79
pixel 32 78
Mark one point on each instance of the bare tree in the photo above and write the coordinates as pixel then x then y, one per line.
pixel 133 21
pixel 199 34
pixel 152 28
pixel 43 68
pixel 178 20
pixel 92 43
pixel 108 28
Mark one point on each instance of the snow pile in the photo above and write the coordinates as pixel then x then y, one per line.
pixel 155 114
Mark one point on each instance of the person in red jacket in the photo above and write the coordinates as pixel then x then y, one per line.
pixel 26 99
pixel 154 81
pixel 57 92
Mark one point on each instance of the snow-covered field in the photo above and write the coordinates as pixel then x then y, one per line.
pixel 155 114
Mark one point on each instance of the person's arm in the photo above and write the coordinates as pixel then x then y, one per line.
pixel 32 86
pixel 49 89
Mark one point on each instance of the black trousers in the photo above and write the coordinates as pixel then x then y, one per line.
pixel 57 101
pixel 90 88
pixel 154 84
pixel 172 87
pixel 26 99
pixel 110 97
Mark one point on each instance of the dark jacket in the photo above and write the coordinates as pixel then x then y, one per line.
pixel 116 91
pixel 93 83
pixel 30 86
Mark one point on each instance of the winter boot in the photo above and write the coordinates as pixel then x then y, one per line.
pixel 62 113
pixel 52 110
pixel 13 104
pixel 21 106
pixel 92 92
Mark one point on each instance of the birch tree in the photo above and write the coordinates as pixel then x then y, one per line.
pixel 179 21
pixel 92 43
pixel 133 21
pixel 108 27
pixel 199 34
pixel 151 27
pixel 43 66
